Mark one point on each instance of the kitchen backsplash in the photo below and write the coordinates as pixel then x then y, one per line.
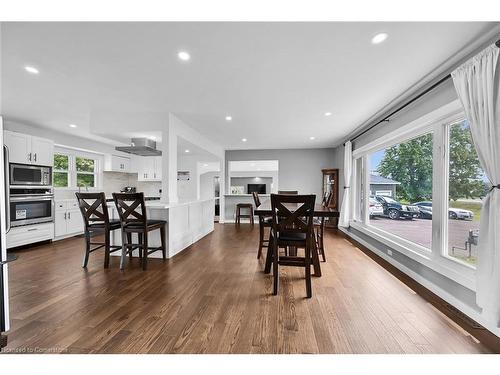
pixel 115 181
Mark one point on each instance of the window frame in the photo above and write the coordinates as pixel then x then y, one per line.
pixel 72 154
pixel 67 171
pixel 436 258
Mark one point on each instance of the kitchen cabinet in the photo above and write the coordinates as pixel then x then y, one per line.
pixel 149 168
pixel 28 234
pixel 27 149
pixel 115 163
pixel 67 219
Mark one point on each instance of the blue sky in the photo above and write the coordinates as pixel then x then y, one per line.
pixel 375 159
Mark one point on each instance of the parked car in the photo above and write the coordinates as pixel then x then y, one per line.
pixel 375 208
pixel 425 209
pixel 453 213
pixel 395 210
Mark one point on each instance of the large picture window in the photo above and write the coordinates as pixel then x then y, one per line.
pixel 400 182
pixel 419 191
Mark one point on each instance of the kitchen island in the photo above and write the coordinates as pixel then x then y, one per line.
pixel 187 222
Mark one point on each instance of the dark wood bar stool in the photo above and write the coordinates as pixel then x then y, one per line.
pixel 292 229
pixel 264 222
pixel 239 215
pixel 96 219
pixel 133 219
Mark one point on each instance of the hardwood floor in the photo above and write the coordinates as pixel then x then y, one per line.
pixel 214 298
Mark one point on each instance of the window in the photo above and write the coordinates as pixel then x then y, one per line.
pixel 467 185
pixel 407 166
pixel 61 170
pixel 85 172
pixel 74 169
pixel 431 169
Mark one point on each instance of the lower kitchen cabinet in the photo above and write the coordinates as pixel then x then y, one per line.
pixel 68 219
pixel 27 234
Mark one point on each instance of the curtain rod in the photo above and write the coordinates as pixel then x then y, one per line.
pixel 386 118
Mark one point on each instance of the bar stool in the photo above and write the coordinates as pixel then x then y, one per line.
pixel 96 219
pixel 292 229
pixel 264 222
pixel 239 215
pixel 133 219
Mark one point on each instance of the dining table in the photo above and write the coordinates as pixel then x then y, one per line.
pixel 320 211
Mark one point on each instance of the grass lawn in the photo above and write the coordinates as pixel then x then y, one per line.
pixel 468 205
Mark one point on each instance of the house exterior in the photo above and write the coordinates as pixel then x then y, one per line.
pixel 383 186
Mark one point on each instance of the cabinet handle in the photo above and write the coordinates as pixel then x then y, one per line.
pixel 35 156
pixel 32 229
pixel 69 215
pixel 65 214
pixel 29 156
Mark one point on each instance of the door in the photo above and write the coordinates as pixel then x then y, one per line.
pixel 74 222
pixel 4 227
pixel 42 151
pixel 19 147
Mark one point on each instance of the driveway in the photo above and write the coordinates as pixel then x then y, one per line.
pixel 420 232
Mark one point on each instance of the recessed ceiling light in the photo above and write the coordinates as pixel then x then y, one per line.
pixel 312 138
pixel 184 56
pixel 379 38
pixel 72 125
pixel 186 150
pixel 243 139
pixel 328 114
pixel 229 118
pixel 205 165
pixel 31 70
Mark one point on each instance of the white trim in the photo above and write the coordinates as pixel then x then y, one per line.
pixel 456 271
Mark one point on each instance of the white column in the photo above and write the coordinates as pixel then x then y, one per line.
pixel 169 164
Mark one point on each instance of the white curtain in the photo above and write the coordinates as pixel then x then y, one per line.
pixel 478 86
pixel 344 209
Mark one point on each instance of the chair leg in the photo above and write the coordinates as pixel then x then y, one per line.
pixel 308 270
pixel 276 276
pixel 237 221
pixel 145 252
pixel 251 216
pixel 261 239
pixel 129 241
pixel 163 246
pixel 139 237
pixel 106 248
pixel 269 254
pixel 87 249
pixel 124 250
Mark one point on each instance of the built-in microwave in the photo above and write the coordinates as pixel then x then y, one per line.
pixel 30 175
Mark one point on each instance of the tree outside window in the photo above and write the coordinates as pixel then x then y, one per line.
pixel 61 170
pixel 85 172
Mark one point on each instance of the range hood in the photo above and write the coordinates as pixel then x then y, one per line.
pixel 140 146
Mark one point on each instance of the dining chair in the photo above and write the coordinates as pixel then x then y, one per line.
pixel 288 192
pixel 133 219
pixel 96 221
pixel 264 222
pixel 239 215
pixel 319 228
pixel 292 227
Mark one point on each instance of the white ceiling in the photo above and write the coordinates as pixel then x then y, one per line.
pixel 117 80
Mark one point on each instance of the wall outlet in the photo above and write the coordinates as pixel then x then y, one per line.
pixel 389 252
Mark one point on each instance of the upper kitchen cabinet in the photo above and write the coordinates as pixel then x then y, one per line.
pixel 115 163
pixel 148 168
pixel 27 149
